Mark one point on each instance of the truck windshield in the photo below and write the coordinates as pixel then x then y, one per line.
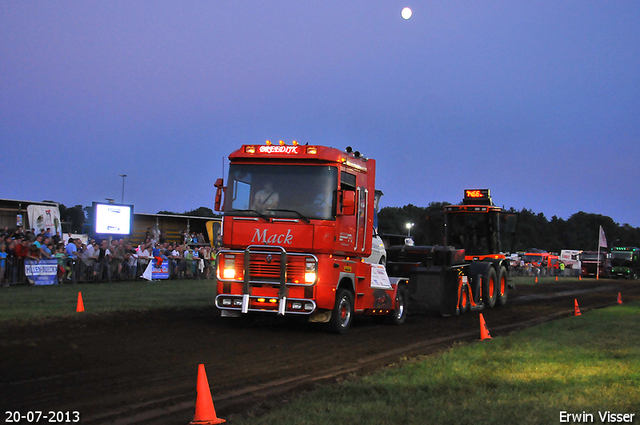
pixel 529 258
pixel 475 233
pixel 623 258
pixel 621 255
pixel 589 256
pixel 286 191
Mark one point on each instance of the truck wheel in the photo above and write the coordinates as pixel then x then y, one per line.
pixel 490 288
pixel 399 314
pixel 502 286
pixel 464 300
pixel 342 314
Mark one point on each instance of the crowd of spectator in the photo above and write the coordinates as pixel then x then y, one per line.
pixel 104 260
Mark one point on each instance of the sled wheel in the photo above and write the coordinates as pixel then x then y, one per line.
pixel 490 288
pixel 502 286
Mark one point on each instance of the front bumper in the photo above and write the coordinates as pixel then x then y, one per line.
pixel 260 304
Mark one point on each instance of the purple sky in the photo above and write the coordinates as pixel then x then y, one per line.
pixel 538 100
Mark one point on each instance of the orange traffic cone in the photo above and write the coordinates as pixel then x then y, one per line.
pixel 576 308
pixel 580 277
pixel 619 298
pixel 556 278
pixel 80 306
pixel 536 279
pixel 205 412
pixel 484 332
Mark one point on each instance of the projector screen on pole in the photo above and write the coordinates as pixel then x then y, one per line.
pixel 112 219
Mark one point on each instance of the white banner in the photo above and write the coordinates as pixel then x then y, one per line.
pixel 379 278
pixel 43 217
pixel 603 240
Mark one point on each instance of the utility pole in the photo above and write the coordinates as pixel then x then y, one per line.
pixel 123 177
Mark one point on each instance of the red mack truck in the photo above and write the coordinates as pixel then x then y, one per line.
pixel 297 226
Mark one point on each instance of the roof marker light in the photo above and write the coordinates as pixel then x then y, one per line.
pixel 295 143
pixel 281 142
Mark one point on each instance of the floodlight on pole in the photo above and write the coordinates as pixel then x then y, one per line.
pixel 123 177
pixel 409 226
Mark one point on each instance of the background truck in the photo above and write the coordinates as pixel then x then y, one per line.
pixel 571 260
pixel 593 265
pixel 470 271
pixel 296 230
pixel 625 262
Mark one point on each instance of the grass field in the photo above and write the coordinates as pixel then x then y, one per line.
pixel 588 364
pixel 36 302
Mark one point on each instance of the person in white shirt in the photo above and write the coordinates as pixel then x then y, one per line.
pixel 144 256
pixel 266 198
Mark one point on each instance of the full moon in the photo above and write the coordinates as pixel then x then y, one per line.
pixel 406 13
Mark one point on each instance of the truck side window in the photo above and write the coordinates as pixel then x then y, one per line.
pixel 241 195
pixel 347 181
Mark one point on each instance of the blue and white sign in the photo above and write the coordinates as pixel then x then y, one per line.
pixel 41 272
pixel 160 271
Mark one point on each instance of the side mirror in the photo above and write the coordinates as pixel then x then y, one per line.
pixel 219 185
pixel 348 202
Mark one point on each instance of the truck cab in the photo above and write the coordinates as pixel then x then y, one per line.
pixel 595 264
pixel 571 260
pixel 625 262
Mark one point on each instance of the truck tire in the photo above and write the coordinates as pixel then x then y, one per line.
pixel 502 286
pixel 490 288
pixel 464 300
pixel 399 314
pixel 342 314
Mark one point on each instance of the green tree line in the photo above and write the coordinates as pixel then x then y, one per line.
pixel 580 231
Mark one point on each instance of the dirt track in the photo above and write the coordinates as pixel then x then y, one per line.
pixel 141 367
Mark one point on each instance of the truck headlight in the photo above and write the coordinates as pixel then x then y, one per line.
pixel 229 269
pixel 310 272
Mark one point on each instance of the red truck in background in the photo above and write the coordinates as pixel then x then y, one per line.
pixel 297 227
pixel 547 264
pixel 595 264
